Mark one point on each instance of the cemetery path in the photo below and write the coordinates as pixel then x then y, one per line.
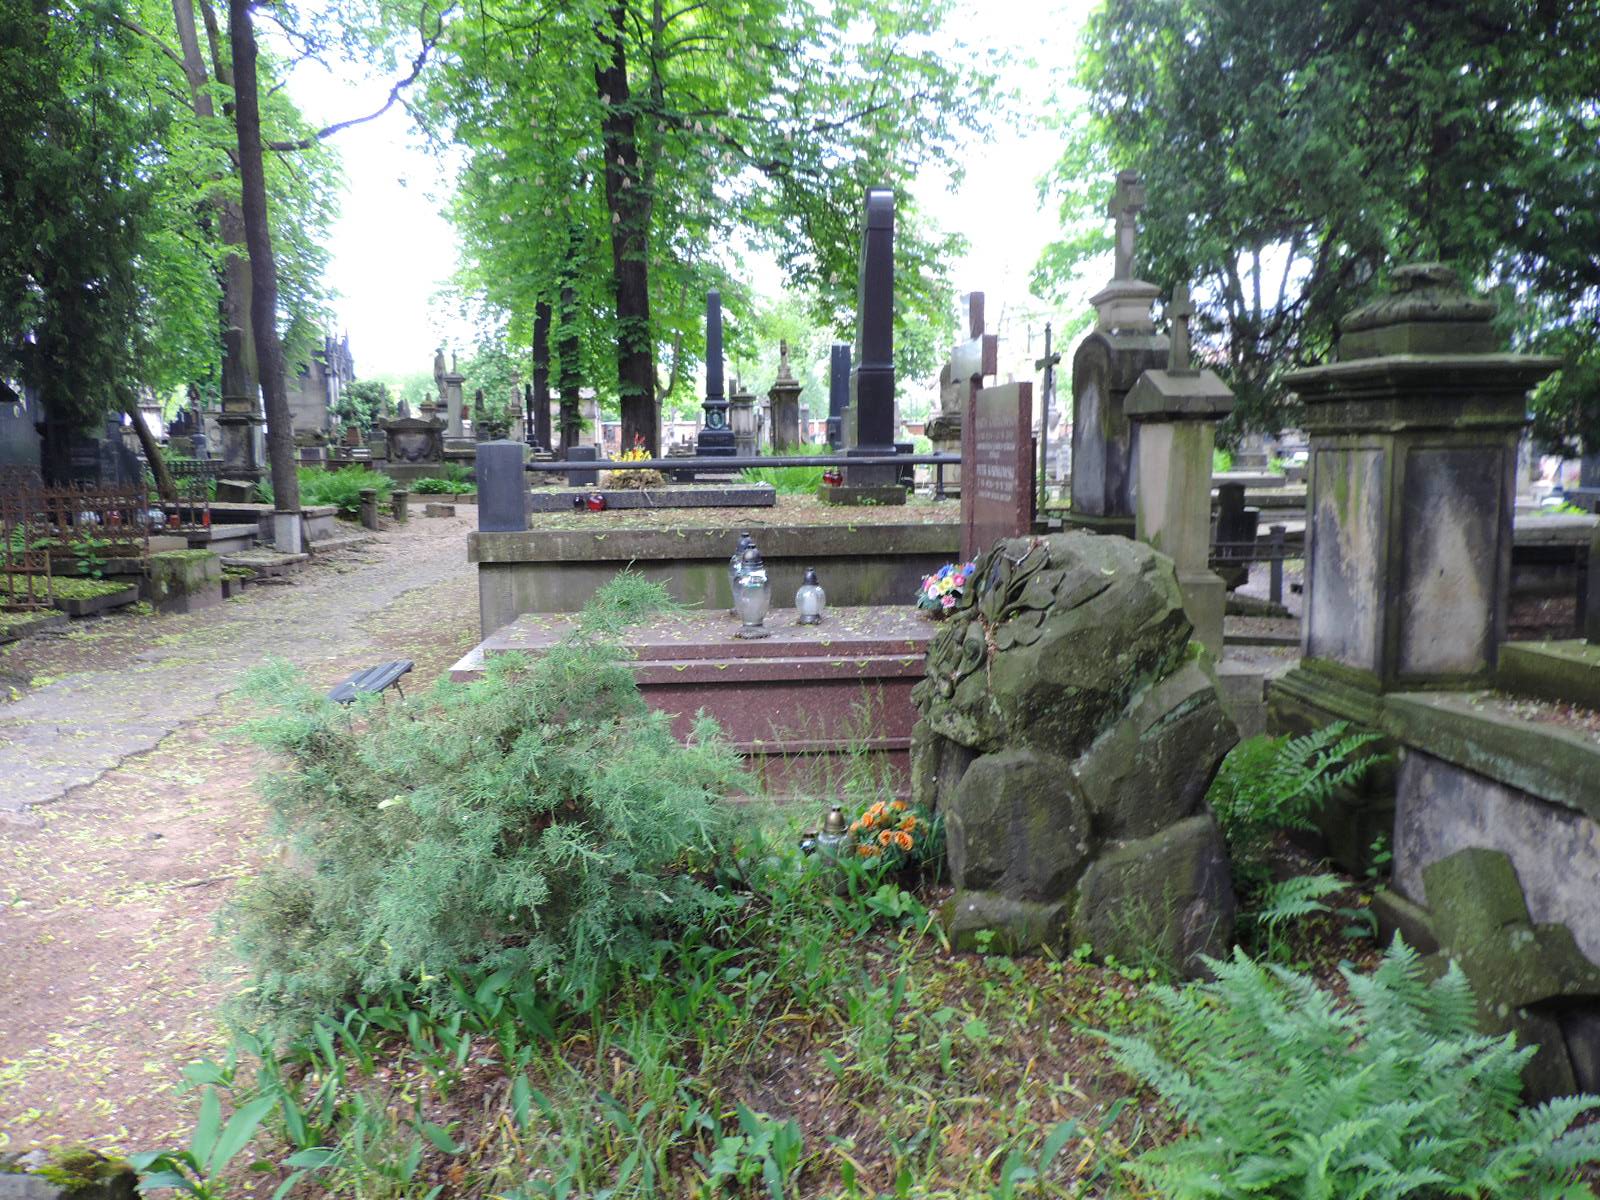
pixel 127 810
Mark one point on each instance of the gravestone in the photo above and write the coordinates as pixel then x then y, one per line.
pixel 1414 438
pixel 997 457
pixel 451 401
pixel 1108 362
pixel 502 487
pixel 870 420
pixel 1047 402
pixel 785 398
pixel 971 362
pixel 838 393
pixel 1068 736
pixel 244 431
pixel 414 439
pixel 742 420
pixel 716 436
pixel 19 440
pixel 1174 413
pixel 582 454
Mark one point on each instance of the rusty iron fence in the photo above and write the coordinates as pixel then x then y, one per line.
pixel 24 552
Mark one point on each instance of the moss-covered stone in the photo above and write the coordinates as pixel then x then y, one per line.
pixel 179 573
pixel 66 1173
pixel 1167 897
pixel 1064 712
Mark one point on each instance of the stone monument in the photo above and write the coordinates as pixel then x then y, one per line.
pixel 1414 438
pixel 742 420
pixel 997 454
pixel 869 422
pixel 971 362
pixel 716 435
pixel 1068 735
pixel 784 396
pixel 838 393
pixel 450 398
pixel 1174 413
pixel 1122 347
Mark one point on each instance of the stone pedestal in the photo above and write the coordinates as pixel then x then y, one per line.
pixel 244 438
pixel 1108 362
pixel 286 533
pixel 454 425
pixel 742 420
pixel 1413 462
pixel 1174 416
pixel 784 396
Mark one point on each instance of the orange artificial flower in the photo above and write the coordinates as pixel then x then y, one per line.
pixel 903 840
pixel 898 805
pixel 909 823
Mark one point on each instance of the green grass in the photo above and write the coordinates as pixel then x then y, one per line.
pixel 787 481
pixel 341 488
pixel 74 588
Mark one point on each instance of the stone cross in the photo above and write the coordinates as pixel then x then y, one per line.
pixel 1179 312
pixel 1126 202
pixel 972 361
pixel 1047 364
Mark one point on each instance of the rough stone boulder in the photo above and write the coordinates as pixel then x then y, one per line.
pixel 1069 732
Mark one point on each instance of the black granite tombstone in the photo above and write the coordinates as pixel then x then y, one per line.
pixel 716 439
pixel 870 427
pixel 502 488
pixel 19 440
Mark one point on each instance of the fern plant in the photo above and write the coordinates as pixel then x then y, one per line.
pixel 542 819
pixel 1289 1091
pixel 1267 784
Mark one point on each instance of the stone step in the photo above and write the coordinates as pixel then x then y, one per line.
pixel 263 563
pixel 339 541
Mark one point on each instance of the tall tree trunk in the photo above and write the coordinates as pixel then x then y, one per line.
pixel 630 206
pixel 240 374
pixel 263 267
pixel 165 487
pixel 567 354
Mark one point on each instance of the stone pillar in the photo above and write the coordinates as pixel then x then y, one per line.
pixel 1414 436
pixel 1174 415
pixel 369 508
pixel 244 438
pixel 869 424
pixel 1123 346
pixel 742 420
pixel 454 427
pixel 785 398
pixel 715 438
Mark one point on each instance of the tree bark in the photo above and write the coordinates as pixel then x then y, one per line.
pixel 630 207
pixel 567 353
pixel 239 373
pixel 165 487
pixel 263 267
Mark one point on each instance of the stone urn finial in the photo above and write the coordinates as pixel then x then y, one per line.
pixel 1427 311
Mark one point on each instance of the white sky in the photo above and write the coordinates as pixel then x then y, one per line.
pixel 392 250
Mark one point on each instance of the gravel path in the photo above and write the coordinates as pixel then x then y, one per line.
pixel 127 811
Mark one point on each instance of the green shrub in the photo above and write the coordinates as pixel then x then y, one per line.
pixel 341 488
pixel 1288 1091
pixel 1221 461
pixel 442 487
pixel 787 481
pixel 542 820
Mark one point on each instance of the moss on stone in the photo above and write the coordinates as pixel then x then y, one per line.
pixel 67 588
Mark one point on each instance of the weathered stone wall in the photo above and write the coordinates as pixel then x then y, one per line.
pixel 1069 732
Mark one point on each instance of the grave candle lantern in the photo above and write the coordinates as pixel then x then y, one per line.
pixel 735 565
pixel 753 597
pixel 810 600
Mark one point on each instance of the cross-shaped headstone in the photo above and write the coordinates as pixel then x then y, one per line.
pixel 1126 202
pixel 973 361
pixel 1179 312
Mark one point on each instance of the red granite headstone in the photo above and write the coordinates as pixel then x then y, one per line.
pixel 996 467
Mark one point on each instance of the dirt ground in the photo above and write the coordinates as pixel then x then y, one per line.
pixel 127 811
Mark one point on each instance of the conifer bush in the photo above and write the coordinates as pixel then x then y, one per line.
pixel 1288 1091
pixel 542 819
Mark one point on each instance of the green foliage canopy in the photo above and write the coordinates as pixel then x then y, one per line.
pixel 1292 156
pixel 758 124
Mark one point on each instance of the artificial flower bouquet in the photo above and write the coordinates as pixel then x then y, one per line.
pixel 942 591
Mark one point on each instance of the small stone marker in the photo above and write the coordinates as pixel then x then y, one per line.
pixel 435 509
pixel 582 478
pixel 502 488
pixel 997 466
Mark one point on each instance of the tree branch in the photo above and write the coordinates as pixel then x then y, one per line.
pixel 133 26
pixel 327 131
